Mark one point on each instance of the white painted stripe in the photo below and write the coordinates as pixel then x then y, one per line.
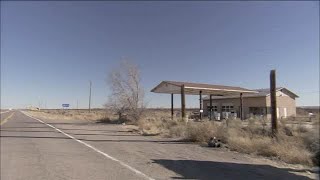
pixel 95 149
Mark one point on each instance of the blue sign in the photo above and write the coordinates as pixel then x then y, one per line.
pixel 65 105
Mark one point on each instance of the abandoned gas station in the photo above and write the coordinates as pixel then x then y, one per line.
pixel 210 90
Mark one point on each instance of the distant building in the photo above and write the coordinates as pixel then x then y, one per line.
pixel 254 104
pixel 32 108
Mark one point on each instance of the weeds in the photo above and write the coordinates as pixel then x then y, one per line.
pixel 296 145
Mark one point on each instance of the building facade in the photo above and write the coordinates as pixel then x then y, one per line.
pixel 254 104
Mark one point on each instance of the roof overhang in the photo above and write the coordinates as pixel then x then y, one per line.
pixel 173 87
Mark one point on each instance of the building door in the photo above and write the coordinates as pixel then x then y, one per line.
pixel 285 112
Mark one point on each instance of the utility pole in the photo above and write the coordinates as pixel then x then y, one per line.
pixel 273 98
pixel 90 97
pixel 172 106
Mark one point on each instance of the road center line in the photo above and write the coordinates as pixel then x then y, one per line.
pixel 95 149
pixel 6 119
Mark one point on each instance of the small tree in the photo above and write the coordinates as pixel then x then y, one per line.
pixel 127 94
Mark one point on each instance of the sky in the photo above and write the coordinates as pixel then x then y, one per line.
pixel 51 50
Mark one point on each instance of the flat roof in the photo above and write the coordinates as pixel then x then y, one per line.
pixel 261 93
pixel 174 87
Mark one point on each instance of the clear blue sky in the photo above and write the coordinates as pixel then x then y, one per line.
pixel 50 50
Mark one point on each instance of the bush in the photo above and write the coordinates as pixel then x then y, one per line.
pixel 154 126
pixel 292 145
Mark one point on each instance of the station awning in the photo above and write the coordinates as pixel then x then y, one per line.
pixel 174 87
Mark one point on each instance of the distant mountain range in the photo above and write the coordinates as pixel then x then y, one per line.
pixel 309 107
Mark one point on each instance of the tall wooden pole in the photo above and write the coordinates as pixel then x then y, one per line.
pixel 171 106
pixel 274 125
pixel 90 97
pixel 241 107
pixel 183 103
pixel 200 102
pixel 211 108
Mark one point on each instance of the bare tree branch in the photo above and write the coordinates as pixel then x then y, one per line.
pixel 127 94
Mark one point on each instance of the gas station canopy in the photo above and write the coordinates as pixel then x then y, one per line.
pixel 174 87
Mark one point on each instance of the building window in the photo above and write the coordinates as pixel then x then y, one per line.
pixel 214 108
pixel 227 109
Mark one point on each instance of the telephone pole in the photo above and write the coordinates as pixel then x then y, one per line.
pixel 90 97
pixel 273 98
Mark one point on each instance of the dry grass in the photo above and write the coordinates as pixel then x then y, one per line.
pixel 153 126
pixel 294 144
pixel 72 114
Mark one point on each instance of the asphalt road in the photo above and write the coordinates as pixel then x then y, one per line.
pixel 46 149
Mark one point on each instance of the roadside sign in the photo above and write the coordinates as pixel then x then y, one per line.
pixel 65 105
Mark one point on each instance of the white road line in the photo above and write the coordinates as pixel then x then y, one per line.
pixel 95 149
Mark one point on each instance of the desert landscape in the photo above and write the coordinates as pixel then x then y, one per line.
pixel 250 136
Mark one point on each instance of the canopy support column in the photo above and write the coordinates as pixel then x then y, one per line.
pixel 211 108
pixel 241 107
pixel 183 103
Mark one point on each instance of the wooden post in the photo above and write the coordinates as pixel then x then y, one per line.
pixel 211 107
pixel 241 107
pixel 200 99
pixel 274 126
pixel 90 97
pixel 183 103
pixel 171 106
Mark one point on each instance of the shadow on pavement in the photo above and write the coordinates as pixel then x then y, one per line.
pixel 207 170
pixel 71 129
pixel 18 127
pixel 52 131
pixel 109 121
pixel 55 123
pixel 99 140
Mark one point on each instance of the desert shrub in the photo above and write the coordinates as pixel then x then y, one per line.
pixel 155 126
pixel 179 130
pixel 303 129
pixel 203 131
pixel 285 148
pixel 287 131
pixel 234 123
pixel 296 145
